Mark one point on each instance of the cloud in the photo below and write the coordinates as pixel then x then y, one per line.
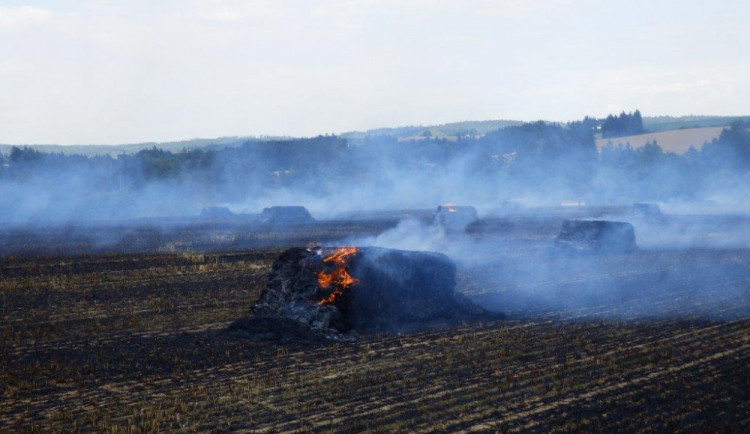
pixel 226 15
pixel 230 11
pixel 13 19
pixel 103 71
pixel 515 7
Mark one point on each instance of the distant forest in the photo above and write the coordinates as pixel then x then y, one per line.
pixel 537 159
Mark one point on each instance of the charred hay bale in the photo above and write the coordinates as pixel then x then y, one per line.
pixel 328 291
pixel 596 236
pixel 217 212
pixel 397 288
pixel 455 218
pixel 286 214
pixel 646 209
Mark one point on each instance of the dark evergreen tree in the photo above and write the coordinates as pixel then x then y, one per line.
pixel 731 149
pixel 625 124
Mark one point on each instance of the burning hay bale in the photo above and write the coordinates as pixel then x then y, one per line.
pixel 455 218
pixel 596 236
pixel 326 292
pixel 286 214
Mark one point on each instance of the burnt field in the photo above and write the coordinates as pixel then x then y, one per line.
pixel 134 339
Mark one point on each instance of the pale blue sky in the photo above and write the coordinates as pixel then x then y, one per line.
pixel 80 71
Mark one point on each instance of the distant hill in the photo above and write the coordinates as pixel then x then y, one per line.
pixel 677 141
pixel 666 123
pixel 479 128
pixel 114 150
pixel 449 130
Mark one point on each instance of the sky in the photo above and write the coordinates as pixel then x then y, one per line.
pixel 113 72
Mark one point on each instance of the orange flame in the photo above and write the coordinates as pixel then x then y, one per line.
pixel 339 276
pixel 449 206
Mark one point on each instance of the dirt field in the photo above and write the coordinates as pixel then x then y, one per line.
pixel 135 343
pixel 677 141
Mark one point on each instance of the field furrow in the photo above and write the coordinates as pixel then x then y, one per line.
pixel 138 343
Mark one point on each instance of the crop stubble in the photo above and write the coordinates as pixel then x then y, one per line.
pixel 134 343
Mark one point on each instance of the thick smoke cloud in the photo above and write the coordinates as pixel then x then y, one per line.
pixel 531 164
pixel 684 268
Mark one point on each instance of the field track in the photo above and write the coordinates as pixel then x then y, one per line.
pixel 136 343
pixel 677 141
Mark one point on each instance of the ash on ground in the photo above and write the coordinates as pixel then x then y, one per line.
pixel 328 293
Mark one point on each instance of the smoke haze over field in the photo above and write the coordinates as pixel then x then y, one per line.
pixel 524 180
pixel 76 71
pixel 501 172
pixel 667 278
pixel 683 269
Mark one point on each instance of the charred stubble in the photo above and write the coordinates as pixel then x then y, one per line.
pixel 135 343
